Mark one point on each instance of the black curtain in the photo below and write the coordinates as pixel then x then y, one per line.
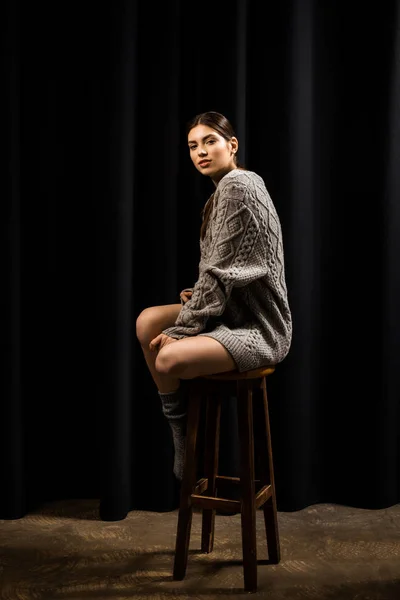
pixel 101 215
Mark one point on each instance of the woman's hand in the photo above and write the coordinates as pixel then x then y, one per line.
pixel 160 341
pixel 185 295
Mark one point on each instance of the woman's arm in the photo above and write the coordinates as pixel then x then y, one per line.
pixel 236 257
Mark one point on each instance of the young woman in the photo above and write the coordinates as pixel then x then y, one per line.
pixel 237 315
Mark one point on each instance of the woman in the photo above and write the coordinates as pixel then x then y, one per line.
pixel 237 316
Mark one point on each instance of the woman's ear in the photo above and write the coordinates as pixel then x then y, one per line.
pixel 234 144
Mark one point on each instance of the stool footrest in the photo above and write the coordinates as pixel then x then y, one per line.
pixel 222 480
pixel 263 495
pixel 210 502
pixel 201 486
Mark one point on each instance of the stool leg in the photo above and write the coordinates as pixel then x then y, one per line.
pixel 270 507
pixel 213 417
pixel 248 510
pixel 187 486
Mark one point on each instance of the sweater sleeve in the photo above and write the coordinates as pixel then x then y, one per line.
pixel 233 257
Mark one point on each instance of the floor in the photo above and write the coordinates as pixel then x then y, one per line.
pixel 64 551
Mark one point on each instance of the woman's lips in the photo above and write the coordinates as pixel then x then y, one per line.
pixel 204 163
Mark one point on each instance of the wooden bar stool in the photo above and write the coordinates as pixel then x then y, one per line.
pixel 250 391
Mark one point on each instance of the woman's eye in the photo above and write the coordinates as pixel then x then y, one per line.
pixel 208 142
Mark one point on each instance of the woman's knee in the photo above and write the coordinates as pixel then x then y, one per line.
pixel 168 361
pixel 153 320
pixel 145 325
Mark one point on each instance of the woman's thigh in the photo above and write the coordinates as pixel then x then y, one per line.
pixel 154 320
pixel 194 357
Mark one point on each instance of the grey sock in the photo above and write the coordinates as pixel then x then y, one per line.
pixel 174 409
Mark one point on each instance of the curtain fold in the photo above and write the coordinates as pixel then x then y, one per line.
pixel 11 411
pixel 116 282
pixel 102 219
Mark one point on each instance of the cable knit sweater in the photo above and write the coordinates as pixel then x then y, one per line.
pixel 240 297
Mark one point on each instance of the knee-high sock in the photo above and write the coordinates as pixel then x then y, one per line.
pixel 174 409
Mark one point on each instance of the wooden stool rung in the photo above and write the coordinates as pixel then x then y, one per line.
pixel 201 486
pixel 222 479
pixel 223 504
pixel 263 495
pixel 225 481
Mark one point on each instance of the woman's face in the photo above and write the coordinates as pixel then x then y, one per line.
pixel 211 154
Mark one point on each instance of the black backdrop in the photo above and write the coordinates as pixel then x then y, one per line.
pixel 101 215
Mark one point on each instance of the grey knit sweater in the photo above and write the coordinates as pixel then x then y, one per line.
pixel 240 297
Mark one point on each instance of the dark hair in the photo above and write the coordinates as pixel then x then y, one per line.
pixel 222 126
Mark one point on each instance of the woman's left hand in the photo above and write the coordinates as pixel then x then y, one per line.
pixel 160 341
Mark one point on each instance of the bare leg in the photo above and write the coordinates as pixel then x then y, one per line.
pixel 193 357
pixel 189 358
pixel 151 322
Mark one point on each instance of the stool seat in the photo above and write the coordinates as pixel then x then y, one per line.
pixel 255 486
pixel 236 375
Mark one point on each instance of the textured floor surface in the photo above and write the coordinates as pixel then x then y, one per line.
pixel 65 552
